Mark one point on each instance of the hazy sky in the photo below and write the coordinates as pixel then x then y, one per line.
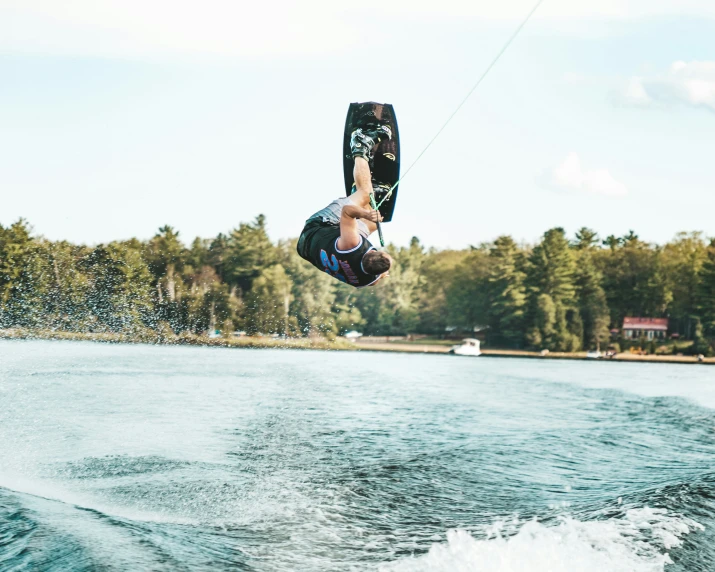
pixel 117 117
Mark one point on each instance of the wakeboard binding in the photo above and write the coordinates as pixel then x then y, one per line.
pixel 363 141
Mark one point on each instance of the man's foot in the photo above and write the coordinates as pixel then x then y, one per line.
pixel 364 141
pixel 383 132
pixel 362 144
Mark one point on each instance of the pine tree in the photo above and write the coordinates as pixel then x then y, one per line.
pixel 218 251
pixel 15 247
pixel 553 293
pixel 706 292
pixel 165 254
pixel 198 255
pixel 249 251
pixel 586 239
pixel 553 268
pixel 592 304
pixel 682 260
pixel 612 242
pixel 507 292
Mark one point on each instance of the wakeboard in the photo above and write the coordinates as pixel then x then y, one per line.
pixel 386 165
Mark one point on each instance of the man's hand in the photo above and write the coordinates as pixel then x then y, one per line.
pixel 371 215
pixel 367 214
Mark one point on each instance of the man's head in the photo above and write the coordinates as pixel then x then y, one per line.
pixel 376 262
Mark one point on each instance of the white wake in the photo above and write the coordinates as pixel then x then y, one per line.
pixel 638 542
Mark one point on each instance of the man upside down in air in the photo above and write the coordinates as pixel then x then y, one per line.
pixel 335 238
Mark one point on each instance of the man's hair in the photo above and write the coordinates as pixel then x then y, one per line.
pixel 376 262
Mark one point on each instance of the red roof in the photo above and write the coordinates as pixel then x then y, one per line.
pixel 645 324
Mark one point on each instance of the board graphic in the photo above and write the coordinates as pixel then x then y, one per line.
pixel 386 165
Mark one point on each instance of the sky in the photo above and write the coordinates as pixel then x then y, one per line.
pixel 118 117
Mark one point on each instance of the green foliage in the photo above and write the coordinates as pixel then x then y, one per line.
pixel 552 268
pixel 16 280
pixel 398 297
pixel 467 300
pixel 560 294
pixel 313 294
pixel 248 252
pixel 268 303
pixel 118 294
pixel 705 297
pixel 633 279
pixel 506 292
pixel 701 345
pixel 682 261
pixel 551 281
pixel 592 304
pixel 437 270
pixel 586 239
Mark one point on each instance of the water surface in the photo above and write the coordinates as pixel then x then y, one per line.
pixel 118 457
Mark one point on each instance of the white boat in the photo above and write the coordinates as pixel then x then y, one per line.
pixel 353 336
pixel 468 347
pixel 594 354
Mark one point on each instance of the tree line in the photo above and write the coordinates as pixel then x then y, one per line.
pixel 563 293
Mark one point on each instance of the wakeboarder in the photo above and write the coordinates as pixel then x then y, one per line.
pixel 335 239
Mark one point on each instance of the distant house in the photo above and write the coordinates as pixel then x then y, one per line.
pixel 649 328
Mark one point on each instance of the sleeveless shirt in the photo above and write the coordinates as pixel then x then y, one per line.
pixel 321 250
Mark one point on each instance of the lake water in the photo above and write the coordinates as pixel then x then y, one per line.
pixel 121 457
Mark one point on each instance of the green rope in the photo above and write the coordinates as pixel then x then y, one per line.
pixel 379 226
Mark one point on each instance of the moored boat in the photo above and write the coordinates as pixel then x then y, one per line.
pixel 468 347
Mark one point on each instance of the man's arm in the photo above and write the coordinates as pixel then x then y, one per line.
pixel 349 235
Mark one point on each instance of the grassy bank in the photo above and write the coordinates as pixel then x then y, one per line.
pixel 182 339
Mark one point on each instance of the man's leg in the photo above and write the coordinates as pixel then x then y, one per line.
pixel 362 145
pixel 363 182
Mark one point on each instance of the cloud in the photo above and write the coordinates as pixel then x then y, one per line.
pixel 688 83
pixel 635 92
pixel 570 176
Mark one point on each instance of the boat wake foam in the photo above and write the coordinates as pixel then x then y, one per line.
pixel 637 542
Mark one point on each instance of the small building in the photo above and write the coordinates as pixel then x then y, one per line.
pixel 649 328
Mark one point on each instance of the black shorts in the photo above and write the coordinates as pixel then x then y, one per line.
pixel 314 232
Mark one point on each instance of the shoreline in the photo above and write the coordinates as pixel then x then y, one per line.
pixel 178 340
pixel 339 344
pixel 624 357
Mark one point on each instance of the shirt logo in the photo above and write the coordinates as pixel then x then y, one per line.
pixel 349 272
pixel 331 266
